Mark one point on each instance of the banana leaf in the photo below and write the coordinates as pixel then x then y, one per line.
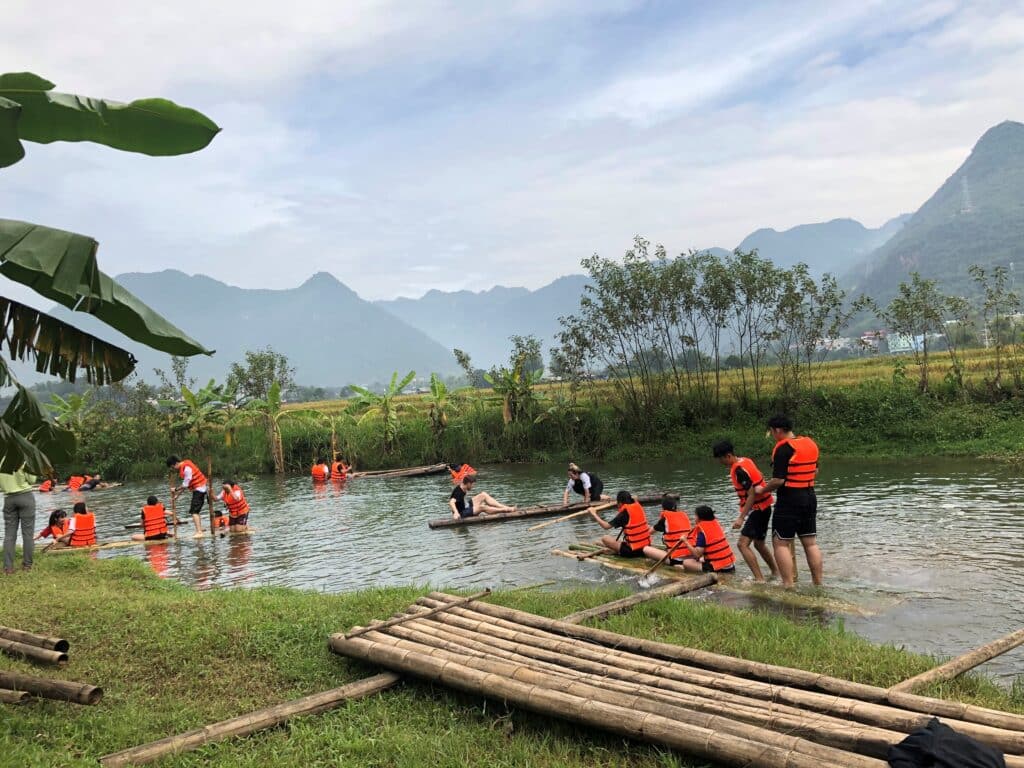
pixel 11 150
pixel 60 349
pixel 62 267
pixel 147 126
pixel 25 416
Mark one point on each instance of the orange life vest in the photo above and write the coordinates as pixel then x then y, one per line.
pixel 58 530
pixel 320 471
pixel 198 479
pixel 221 521
pixel 236 507
pixel 803 466
pixel 717 551
pixel 339 470
pixel 637 531
pixel 461 473
pixel 154 521
pixel 677 525
pixel 762 500
pixel 84 534
pixel 75 482
pixel 46 486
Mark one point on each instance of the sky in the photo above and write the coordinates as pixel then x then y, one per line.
pixel 424 144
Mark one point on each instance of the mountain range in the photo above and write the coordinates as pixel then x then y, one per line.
pixel 333 337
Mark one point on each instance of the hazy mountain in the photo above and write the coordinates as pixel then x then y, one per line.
pixel 976 217
pixel 329 334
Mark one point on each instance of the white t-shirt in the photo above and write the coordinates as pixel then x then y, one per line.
pixel 186 478
pixel 586 482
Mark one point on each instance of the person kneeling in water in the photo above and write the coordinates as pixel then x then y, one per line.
pixel 633 521
pixel 709 550
pixel 463 505
pixel 154 522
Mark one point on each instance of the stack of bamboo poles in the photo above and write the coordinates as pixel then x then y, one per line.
pixel 716 707
pixel 28 645
pixel 17 688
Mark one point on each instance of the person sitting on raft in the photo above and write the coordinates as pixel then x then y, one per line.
pixel 154 522
pixel 674 526
pixel 320 471
pixel 463 505
pixel 586 484
pixel 238 508
pixel 633 521
pixel 459 471
pixel 81 532
pixel 57 527
pixel 709 550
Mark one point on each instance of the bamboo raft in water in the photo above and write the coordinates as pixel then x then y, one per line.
pixel 120 544
pixel 429 469
pixel 538 511
pixel 718 708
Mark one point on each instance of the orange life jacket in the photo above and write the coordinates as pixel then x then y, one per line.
pixel 198 479
pixel 717 551
pixel 58 530
pixel 637 531
pixel 339 470
pixel 460 474
pixel 154 521
pixel 236 507
pixel 320 471
pixel 803 466
pixel 221 521
pixel 75 482
pixel 84 534
pixel 677 525
pixel 46 486
pixel 762 500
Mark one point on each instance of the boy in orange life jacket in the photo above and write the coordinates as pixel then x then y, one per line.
pixel 233 498
pixel 636 533
pixel 755 507
pixel 709 549
pixel 192 479
pixel 674 525
pixel 82 530
pixel 154 522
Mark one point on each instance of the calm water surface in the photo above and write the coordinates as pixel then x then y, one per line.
pixel 937 543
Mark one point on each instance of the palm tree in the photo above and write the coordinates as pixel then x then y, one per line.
pixel 62 267
pixel 384 406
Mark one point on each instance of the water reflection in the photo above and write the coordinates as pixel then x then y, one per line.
pixel 944 536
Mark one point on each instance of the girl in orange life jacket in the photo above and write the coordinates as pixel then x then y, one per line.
pixel 755 507
pixel 192 479
pixel 636 533
pixel 339 470
pixel 57 527
pixel 709 549
pixel 82 532
pixel 674 525
pixel 238 508
pixel 320 471
pixel 154 522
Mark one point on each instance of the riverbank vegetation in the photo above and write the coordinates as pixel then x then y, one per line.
pixel 171 659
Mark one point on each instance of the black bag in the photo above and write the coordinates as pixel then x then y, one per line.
pixel 939 746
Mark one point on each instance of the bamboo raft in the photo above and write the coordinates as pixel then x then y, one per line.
pixel 429 469
pixel 719 708
pixel 120 544
pixel 647 500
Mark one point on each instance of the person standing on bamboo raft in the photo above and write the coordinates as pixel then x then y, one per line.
pixel 192 479
pixel 635 534
pixel 794 468
pixel 463 505
pixel 586 484
pixel 755 507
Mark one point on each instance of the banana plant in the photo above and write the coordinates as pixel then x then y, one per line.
pixel 273 413
pixel 515 388
pixel 385 407
pixel 439 401
pixel 70 412
pixel 198 411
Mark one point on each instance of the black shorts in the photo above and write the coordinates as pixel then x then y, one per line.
pixel 755 527
pixel 626 551
pixel 708 569
pixel 158 537
pixel 795 516
pixel 678 560
pixel 198 502
pixel 467 511
pixel 596 489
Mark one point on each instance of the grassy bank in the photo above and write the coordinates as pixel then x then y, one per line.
pixel 171 659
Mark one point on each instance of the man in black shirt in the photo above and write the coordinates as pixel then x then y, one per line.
pixel 463 505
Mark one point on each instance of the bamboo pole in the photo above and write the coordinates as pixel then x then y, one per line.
pixel 637 700
pixel 249 723
pixel 955 667
pixel 13 697
pixel 174 511
pixel 429 469
pixel 438 609
pixel 757 670
pixel 702 742
pixel 33 652
pixel 43 641
pixel 626 603
pixel 526 512
pixel 61 690
pixel 588 510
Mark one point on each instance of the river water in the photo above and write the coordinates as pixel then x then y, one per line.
pixel 935 547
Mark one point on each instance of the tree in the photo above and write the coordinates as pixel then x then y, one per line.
pixel 262 369
pixel 514 384
pixel 272 411
pixel 476 377
pixel 61 266
pixel 998 303
pixel 71 412
pixel 439 401
pixel 197 411
pixel 916 311
pixel 385 406
pixel 170 386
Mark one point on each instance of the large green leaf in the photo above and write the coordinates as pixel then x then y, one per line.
pixel 62 266
pixel 60 349
pixel 11 150
pixel 25 415
pixel 148 126
pixel 17 452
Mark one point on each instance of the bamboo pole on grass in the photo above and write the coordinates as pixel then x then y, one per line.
pixel 43 641
pixel 33 652
pixel 438 609
pixel 13 697
pixel 956 667
pixel 757 670
pixel 249 723
pixel 701 742
pixel 61 690
pixel 626 603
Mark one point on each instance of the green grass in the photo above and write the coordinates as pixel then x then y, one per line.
pixel 170 659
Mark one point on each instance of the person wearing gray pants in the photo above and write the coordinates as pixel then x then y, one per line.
pixel 19 509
